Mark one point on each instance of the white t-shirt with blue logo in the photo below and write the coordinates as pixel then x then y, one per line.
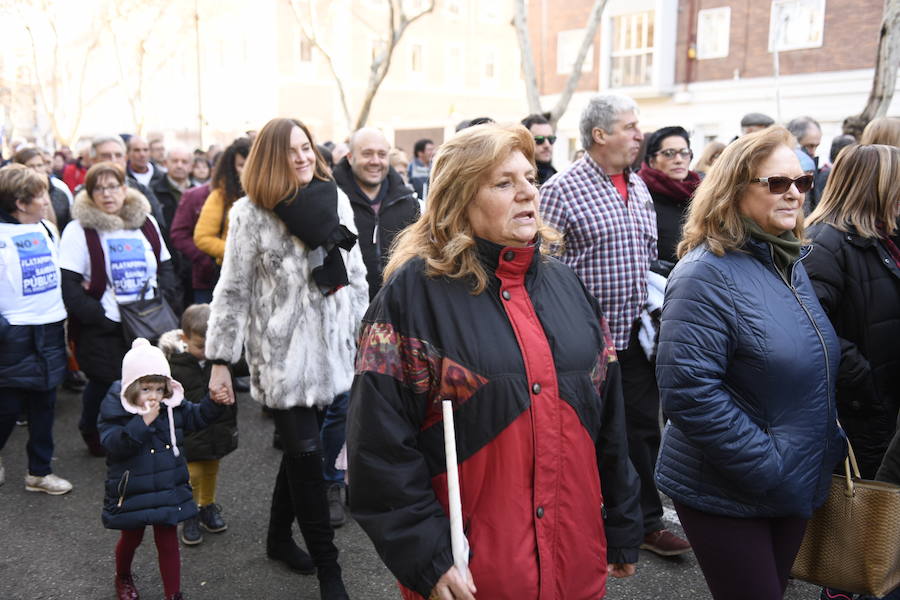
pixel 129 263
pixel 30 292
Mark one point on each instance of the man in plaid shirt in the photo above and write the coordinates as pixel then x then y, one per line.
pixel 606 215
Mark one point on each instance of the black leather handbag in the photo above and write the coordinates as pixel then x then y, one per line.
pixel 147 318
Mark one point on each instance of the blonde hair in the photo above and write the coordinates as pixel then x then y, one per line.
pixel 883 130
pixel 443 236
pixel 268 176
pixel 863 191
pixel 714 218
pixel 710 153
pixel 134 388
pixel 19 183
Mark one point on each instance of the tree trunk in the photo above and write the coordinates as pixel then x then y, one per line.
pixel 886 64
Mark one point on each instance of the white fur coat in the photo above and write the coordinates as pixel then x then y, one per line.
pixel 300 344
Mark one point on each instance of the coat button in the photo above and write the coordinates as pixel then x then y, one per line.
pixel 536 388
pixel 506 295
pixel 540 512
pixel 152 450
pixel 508 255
pixel 167 446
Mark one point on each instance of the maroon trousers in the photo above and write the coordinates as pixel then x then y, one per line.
pixel 166 538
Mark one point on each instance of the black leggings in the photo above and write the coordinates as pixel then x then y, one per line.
pixel 743 558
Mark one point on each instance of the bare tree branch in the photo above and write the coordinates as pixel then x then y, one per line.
pixel 382 63
pixel 593 21
pixel 525 49
pixel 309 35
pixel 520 20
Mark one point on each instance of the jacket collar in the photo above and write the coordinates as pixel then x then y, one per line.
pixel 132 215
pixel 343 176
pixel 509 262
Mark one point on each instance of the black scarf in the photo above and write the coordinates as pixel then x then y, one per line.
pixel 312 215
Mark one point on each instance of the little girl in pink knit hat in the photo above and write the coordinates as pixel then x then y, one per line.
pixel 142 422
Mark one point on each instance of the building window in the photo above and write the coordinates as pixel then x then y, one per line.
pixel 796 24
pixel 491 10
pixel 713 32
pixel 455 66
pixel 416 56
pixel 453 7
pixel 631 62
pixel 567 45
pixel 490 65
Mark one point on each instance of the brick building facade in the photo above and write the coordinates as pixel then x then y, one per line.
pixel 703 64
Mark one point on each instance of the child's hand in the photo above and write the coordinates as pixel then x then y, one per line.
pixel 221 395
pixel 151 415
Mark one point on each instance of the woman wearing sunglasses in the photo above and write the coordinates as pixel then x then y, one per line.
pixel 667 173
pixel 747 367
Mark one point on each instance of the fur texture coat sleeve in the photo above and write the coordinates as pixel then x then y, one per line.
pixel 299 344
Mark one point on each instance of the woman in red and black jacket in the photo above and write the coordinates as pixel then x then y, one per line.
pixel 473 311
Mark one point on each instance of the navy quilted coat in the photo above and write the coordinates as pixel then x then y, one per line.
pixel 747 368
pixel 146 484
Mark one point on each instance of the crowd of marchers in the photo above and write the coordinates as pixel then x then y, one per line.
pixel 750 297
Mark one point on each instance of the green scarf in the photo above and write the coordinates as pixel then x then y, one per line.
pixel 786 247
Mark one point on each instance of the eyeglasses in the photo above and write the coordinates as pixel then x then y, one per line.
pixel 102 189
pixel 671 153
pixel 540 139
pixel 780 185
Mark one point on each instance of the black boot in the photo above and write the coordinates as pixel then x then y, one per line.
pixel 280 544
pixel 308 493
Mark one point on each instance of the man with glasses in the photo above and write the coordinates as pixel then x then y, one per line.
pixel 605 213
pixel 544 139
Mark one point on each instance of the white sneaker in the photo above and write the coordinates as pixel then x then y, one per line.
pixel 49 484
pixel 2 472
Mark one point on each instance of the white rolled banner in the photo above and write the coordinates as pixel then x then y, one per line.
pixel 457 537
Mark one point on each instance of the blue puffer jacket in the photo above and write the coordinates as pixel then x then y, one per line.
pixel 747 368
pixel 146 484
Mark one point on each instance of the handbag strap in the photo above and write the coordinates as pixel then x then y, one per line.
pixel 851 467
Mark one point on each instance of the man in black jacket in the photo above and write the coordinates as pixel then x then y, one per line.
pixel 382 204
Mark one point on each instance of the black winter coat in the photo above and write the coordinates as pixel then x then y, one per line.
pixel 221 437
pixel 146 484
pixel 60 203
pixel 377 231
pixel 858 285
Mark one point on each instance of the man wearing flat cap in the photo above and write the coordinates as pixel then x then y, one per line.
pixel 754 122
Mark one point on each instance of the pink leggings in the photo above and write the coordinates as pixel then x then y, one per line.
pixel 166 538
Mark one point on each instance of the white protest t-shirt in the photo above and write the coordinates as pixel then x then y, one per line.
pixel 30 292
pixel 129 261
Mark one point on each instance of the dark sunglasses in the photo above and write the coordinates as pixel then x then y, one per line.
pixel 670 153
pixel 780 185
pixel 540 139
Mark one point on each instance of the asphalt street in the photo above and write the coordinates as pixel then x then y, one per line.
pixel 55 547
